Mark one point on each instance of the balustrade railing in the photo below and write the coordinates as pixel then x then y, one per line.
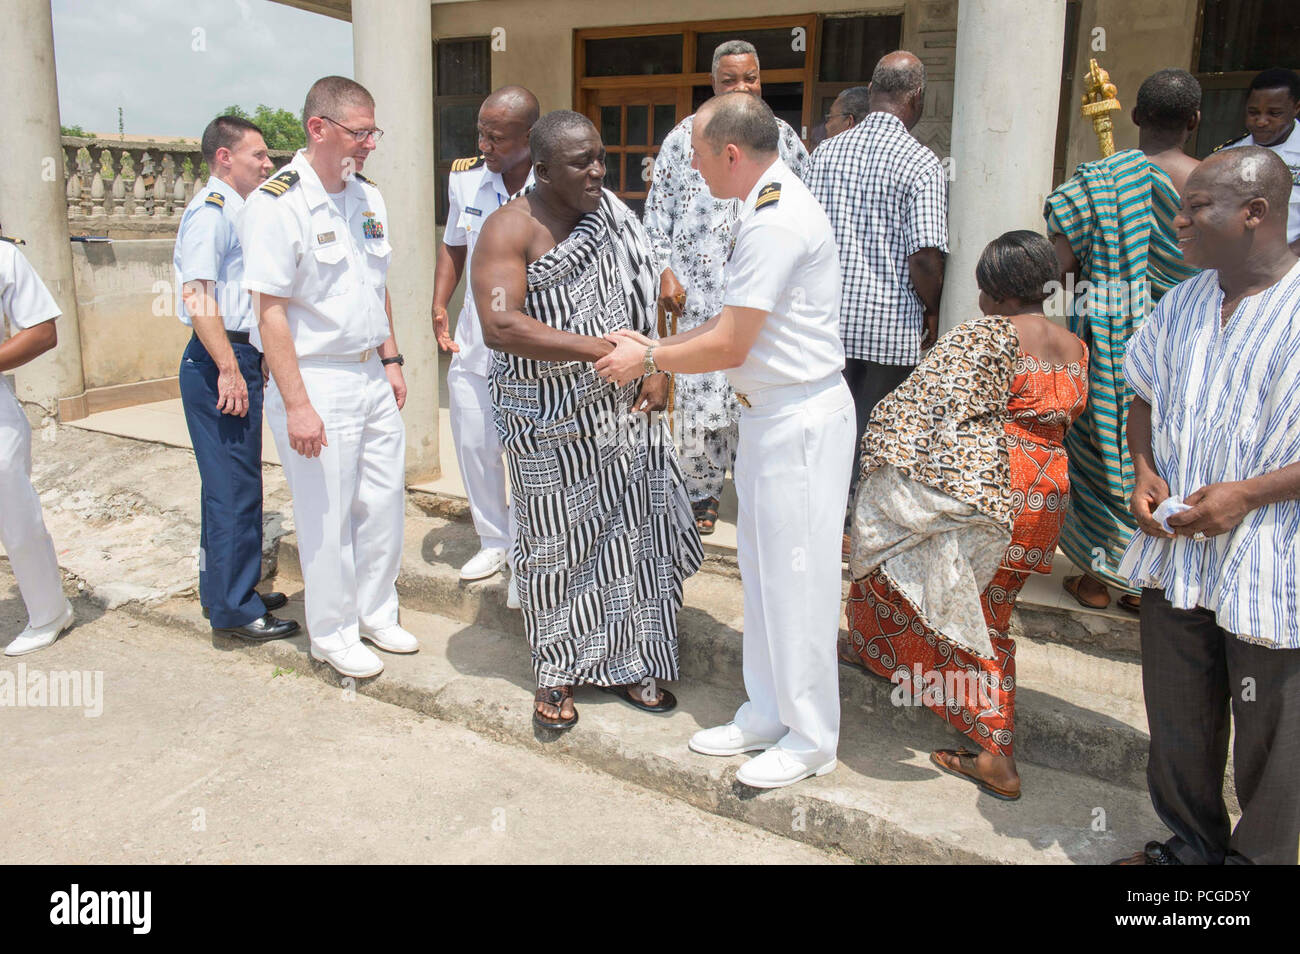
pixel 133 185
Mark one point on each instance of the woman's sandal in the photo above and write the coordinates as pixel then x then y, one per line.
pixel 847 656
pixel 1071 585
pixel 553 696
pixel 631 694
pixel 972 776
pixel 706 515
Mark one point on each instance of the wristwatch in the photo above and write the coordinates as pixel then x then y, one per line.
pixel 396 359
pixel 648 363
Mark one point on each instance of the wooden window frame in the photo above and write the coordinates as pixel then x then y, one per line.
pixel 685 82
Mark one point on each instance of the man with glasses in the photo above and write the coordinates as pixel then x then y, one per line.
pixel 847 110
pixel 316 253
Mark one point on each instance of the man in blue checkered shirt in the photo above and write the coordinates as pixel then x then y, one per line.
pixel 886 196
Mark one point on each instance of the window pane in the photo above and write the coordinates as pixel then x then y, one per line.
pixel 613 181
pixel 457 132
pixel 638 124
pixel 1250 35
pixel 611 125
pixel 775 48
pixel 440 200
pixel 635 55
pixel 786 100
pixel 640 168
pixel 665 120
pixel 636 205
pixel 851 46
pixel 1223 117
pixel 464 67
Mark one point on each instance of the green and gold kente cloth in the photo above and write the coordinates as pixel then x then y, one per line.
pixel 1117 214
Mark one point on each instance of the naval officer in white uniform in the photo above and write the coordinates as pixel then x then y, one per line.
pixel 316 254
pixel 477 187
pixel 31 311
pixel 778 337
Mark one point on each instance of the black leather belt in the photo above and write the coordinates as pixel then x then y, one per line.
pixel 238 337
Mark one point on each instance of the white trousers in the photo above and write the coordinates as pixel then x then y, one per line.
pixel 792 483
pixel 480 457
pixel 22 527
pixel 348 503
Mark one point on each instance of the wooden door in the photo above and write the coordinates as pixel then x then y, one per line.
pixel 633 122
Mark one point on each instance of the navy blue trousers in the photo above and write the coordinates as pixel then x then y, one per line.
pixel 229 454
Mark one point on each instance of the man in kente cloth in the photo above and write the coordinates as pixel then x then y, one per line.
pixel 605 532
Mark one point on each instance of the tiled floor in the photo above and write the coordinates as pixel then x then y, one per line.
pixel 164 422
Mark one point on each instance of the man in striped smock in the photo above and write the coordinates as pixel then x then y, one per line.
pixel 1214 434
pixel 1112 224
pixel 605 535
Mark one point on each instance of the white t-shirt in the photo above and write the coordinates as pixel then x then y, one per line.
pixel 785 262
pixel 24 299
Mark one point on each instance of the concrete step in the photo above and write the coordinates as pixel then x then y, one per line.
pixel 1077 709
pixel 884 803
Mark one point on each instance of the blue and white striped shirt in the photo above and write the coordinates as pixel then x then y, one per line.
pixel 1225 406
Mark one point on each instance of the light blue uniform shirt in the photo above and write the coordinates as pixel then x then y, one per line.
pixel 1225 406
pixel 207 249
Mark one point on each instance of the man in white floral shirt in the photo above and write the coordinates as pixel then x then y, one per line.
pixel 691 232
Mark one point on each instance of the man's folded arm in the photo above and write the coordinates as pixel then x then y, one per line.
pixel 498 273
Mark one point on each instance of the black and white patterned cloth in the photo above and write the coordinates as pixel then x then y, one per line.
pixel 605 531
pixel 886 196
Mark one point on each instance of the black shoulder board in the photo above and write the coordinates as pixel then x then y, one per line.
pixel 770 194
pixel 364 179
pixel 280 184
pixel 1225 145
pixel 469 162
pixel 11 240
pixel 216 198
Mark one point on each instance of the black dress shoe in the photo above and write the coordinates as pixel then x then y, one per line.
pixel 272 600
pixel 267 627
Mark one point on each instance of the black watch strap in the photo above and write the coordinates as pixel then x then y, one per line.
pixel 395 359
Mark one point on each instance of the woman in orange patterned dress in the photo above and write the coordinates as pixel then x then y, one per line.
pixel 964 489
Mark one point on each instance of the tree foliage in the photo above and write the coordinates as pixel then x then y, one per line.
pixel 281 128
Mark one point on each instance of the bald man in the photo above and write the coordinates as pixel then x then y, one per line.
pixel 1214 433
pixel 479 185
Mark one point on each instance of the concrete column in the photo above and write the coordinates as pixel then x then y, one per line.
pixel 32 203
pixel 392 54
pixel 1003 133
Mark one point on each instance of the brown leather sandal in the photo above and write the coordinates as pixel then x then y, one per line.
pixel 1130 602
pixel 959 770
pixel 553 696
pixel 706 515
pixel 1071 585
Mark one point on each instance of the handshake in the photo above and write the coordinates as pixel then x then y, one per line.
pixel 626 362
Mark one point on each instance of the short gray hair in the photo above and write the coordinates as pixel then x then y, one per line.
pixel 545 136
pixel 742 120
pixel 894 81
pixel 332 94
pixel 732 48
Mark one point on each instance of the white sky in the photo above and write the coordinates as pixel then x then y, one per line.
pixel 140 54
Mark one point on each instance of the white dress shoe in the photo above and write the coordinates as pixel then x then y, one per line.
pixel 392 639
pixel 484 563
pixel 776 768
pixel 729 739
pixel 38 637
pixel 355 660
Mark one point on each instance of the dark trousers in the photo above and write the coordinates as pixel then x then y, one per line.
pixel 1193 673
pixel 869 383
pixel 228 450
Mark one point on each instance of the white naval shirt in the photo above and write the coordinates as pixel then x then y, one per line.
pixel 331 265
pixel 208 249
pixel 785 262
pixel 1289 150
pixel 473 195
pixel 24 299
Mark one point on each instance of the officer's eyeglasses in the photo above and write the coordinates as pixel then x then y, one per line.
pixel 829 116
pixel 360 135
